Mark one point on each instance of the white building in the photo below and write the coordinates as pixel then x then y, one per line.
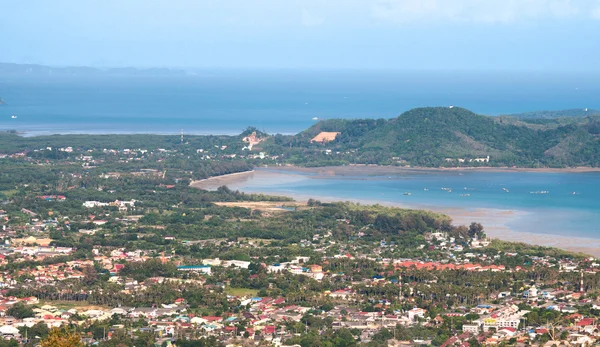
pixel 471 328
pixel 416 312
pixel 205 269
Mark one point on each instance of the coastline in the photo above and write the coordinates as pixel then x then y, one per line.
pixel 217 181
pixel 495 221
pixel 379 169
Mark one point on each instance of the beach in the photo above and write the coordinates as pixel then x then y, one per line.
pixel 361 169
pixel 497 222
pixel 212 183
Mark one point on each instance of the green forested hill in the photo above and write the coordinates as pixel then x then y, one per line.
pixel 429 136
pixel 556 114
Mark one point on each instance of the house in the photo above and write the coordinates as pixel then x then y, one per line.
pixel 508 331
pixel 9 331
pixel 416 312
pixel 530 293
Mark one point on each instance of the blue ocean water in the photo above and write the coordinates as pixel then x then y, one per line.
pixel 570 207
pixel 226 102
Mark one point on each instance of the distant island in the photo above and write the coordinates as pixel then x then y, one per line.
pixel 433 137
pixel 35 70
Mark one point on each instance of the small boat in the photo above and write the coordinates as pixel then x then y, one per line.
pixel 13 117
pixel 315 118
pixel 465 194
pixel 426 189
pixel 451 106
pixel 539 192
pixel 504 189
pixel 574 193
pixel 408 194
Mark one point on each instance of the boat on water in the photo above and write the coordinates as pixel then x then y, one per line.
pixel 540 192
pixel 13 117
pixel 426 189
pixel 465 194
pixel 315 118
pixel 504 189
pixel 408 194
pixel 449 190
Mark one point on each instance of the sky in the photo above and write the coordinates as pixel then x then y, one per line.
pixel 344 34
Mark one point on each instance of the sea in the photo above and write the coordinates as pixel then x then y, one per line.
pixel 289 101
pixel 276 101
pixel 548 203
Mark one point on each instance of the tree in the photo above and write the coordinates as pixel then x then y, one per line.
pixel 38 330
pixel 20 311
pixel 61 338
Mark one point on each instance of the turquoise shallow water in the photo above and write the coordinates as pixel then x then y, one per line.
pixel 227 101
pixel 571 207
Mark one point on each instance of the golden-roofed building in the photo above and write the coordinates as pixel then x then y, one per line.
pixel 325 136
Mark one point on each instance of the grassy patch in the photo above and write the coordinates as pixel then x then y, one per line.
pixel 8 193
pixel 241 292
pixel 67 305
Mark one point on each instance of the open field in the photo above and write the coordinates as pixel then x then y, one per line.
pixel 241 292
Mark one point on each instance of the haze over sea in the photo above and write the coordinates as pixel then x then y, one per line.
pixel 285 101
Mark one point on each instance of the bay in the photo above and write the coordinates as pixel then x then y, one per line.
pixel 546 203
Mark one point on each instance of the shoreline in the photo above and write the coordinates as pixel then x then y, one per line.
pixel 212 181
pixel 495 221
pixel 377 169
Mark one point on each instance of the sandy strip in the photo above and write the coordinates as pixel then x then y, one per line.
pixel 218 181
pixel 379 169
pixel 495 221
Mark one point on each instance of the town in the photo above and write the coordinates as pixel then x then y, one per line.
pixel 113 245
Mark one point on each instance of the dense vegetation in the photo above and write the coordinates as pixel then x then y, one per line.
pixel 432 137
pixel 428 136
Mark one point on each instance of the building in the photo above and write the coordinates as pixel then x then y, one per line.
pixel 205 269
pixel 530 293
pixel 416 312
pixel 471 328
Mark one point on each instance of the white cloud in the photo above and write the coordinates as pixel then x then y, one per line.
pixel 309 19
pixel 485 11
pixel 595 12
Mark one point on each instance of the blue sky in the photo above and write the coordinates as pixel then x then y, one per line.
pixel 395 34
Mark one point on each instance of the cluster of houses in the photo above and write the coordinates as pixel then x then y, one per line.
pixel 122 205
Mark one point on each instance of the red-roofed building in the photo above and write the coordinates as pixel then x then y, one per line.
pixel 585 322
pixel 117 267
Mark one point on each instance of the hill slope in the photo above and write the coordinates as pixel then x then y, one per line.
pixel 438 136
